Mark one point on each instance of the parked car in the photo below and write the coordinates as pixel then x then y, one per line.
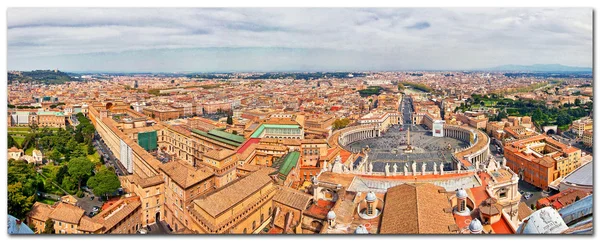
pixel 142 231
pixel 528 196
pixel 92 198
pixel 95 208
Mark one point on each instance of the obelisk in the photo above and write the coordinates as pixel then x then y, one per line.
pixel 408 136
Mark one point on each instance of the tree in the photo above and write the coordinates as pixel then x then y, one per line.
pixel 563 119
pixel 72 145
pixel 80 168
pixel 33 126
pixel 230 120
pixel 105 182
pixel 60 175
pixel 48 227
pixel 501 115
pixel 90 149
pixel 11 142
pixel 340 123
pixel 79 137
pixel 69 183
pixel 54 155
pixel 577 102
pixel 18 204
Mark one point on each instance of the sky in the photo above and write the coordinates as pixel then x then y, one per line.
pixel 295 39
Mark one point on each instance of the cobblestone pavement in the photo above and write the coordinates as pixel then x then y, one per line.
pixel 389 148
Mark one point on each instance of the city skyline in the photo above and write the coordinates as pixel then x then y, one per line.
pixel 276 39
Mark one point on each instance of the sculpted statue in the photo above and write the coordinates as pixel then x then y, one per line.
pixel 387 168
pixel 406 169
pixel 442 168
pixel 414 168
pixel 434 168
pixel 423 167
pixel 370 167
pixel 395 168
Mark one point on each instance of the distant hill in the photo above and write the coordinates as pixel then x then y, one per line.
pixel 39 76
pixel 540 68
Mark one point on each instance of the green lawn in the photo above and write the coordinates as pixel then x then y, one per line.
pixel 26 129
pixel 19 139
pixel 47 201
pixel 29 151
pixel 489 103
pixel 18 132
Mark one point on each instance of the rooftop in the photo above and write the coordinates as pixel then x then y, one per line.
pixel 184 174
pixel 229 195
pixel 416 208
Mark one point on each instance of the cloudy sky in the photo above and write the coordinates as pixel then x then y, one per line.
pixel 273 39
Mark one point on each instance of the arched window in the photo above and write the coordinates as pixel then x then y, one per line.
pixel 245 230
pixel 253 225
pixel 262 217
pixel 270 209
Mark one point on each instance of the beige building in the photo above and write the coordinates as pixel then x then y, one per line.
pixel 582 125
pixel 588 138
pixel 183 184
pixel 15 153
pixel 244 206
pixel 123 217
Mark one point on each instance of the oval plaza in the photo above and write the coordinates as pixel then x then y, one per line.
pixel 457 147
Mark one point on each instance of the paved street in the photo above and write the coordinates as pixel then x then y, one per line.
pixel 109 159
pixel 158 228
pixel 535 191
pixel 87 204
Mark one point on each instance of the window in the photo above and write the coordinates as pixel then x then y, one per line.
pixel 253 225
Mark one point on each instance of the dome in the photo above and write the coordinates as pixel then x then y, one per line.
pixel 475 226
pixel 331 215
pixel 461 193
pixel 361 230
pixel 371 197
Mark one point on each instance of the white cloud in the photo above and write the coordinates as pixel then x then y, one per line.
pixel 418 38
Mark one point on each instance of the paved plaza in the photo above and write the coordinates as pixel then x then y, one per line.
pixel 389 148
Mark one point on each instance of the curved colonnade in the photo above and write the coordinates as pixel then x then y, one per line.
pixel 469 157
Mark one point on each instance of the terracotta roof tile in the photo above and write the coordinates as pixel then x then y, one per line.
pixel 416 208
pixel 184 174
pixel 67 213
pixel 229 195
pixel 40 211
pixel 292 198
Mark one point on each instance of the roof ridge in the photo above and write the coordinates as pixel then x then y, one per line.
pixel 417 207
